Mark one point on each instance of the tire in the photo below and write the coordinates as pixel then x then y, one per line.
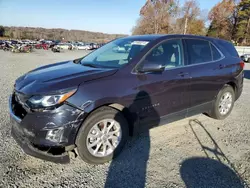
pixel 215 112
pixel 93 119
pixel 248 60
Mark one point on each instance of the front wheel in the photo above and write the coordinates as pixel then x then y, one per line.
pixel 224 103
pixel 102 136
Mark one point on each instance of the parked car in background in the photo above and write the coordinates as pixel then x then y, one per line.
pixel 42 46
pixel 14 41
pixel 64 46
pixel 72 46
pixel 246 58
pixel 56 48
pixel 93 46
pixel 83 47
pixel 51 45
pixel 92 104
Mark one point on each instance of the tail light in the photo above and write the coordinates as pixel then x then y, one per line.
pixel 242 64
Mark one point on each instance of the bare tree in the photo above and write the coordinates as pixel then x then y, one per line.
pixel 167 16
pixel 156 17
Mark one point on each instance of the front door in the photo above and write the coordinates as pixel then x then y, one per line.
pixel 164 92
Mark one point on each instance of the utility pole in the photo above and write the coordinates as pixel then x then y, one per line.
pixel 186 24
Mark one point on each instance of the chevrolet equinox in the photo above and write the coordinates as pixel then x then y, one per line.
pixel 91 105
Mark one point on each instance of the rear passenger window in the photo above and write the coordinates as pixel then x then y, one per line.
pixel 199 51
pixel 215 52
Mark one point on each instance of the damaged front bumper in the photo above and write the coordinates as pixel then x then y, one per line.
pixel 35 152
pixel 46 135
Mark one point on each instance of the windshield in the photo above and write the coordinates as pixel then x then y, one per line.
pixel 114 54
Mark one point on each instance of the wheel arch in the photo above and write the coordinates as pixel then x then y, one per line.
pixel 121 108
pixel 233 85
pixel 126 113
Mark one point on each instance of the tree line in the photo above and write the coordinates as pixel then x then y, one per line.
pixel 229 19
pixel 35 33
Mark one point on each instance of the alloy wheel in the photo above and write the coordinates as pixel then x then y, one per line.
pixel 225 103
pixel 104 137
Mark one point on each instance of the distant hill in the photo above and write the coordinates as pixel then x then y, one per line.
pixel 57 34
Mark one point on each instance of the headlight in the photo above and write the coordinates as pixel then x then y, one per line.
pixel 40 101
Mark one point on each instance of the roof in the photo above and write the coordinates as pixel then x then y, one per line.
pixel 151 37
pixel 145 37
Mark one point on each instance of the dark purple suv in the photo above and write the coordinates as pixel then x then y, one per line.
pixel 93 104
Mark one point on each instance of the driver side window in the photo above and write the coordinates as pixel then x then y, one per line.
pixel 168 54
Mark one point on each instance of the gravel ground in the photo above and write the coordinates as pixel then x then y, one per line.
pixel 194 152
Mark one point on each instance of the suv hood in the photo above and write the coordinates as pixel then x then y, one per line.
pixel 59 76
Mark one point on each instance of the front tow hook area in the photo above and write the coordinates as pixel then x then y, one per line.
pixel 41 152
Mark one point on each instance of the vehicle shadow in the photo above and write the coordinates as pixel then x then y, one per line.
pixel 130 167
pixel 208 172
pixel 247 74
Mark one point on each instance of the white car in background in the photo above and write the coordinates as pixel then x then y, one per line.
pixel 64 46
pixel 246 58
pixel 83 47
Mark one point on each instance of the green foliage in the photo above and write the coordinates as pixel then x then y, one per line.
pixel 243 24
pixel 2 31
pixel 221 17
pixel 231 21
pixel 212 30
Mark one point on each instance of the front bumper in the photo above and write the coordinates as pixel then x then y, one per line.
pixel 31 150
pixel 30 131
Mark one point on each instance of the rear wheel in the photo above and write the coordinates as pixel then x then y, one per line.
pixel 102 136
pixel 224 103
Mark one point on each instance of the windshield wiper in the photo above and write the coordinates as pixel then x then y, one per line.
pixel 90 65
pixel 98 66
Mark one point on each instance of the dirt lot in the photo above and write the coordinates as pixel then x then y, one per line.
pixel 194 152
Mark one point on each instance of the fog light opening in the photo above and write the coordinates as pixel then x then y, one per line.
pixel 55 135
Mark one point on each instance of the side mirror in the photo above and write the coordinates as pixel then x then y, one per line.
pixel 152 67
pixel 245 57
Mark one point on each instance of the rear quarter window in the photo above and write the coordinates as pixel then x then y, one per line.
pixel 229 48
pixel 215 53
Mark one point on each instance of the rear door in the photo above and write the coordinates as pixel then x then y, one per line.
pixel 206 66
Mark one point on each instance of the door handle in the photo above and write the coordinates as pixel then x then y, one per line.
pixel 221 66
pixel 182 74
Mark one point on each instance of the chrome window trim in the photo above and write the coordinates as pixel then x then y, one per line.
pixel 183 55
pixel 221 54
pixel 213 61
